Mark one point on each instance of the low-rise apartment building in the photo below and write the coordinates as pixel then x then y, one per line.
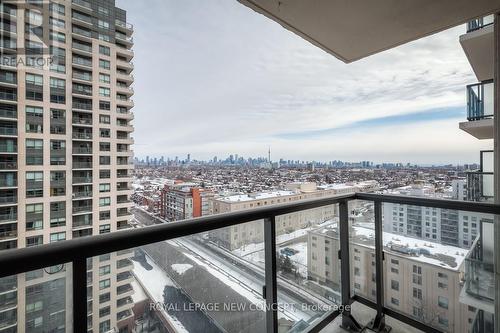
pixel 252 232
pixel 422 279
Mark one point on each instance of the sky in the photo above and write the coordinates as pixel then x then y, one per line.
pixel 213 78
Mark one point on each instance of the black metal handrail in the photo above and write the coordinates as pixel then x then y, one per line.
pixel 77 251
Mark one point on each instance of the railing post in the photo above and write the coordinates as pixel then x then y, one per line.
pixel 80 295
pixel 348 321
pixel 271 293
pixel 378 323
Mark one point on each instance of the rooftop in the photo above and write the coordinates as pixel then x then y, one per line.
pixel 445 256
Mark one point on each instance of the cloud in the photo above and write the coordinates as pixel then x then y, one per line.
pixel 213 78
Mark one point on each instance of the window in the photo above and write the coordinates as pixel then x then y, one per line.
pixel 104 78
pixel 104 37
pixel 57 237
pixel 34 87
pixel 443 302
pixel 103 24
pixel 394 262
pixel 34 119
pixel 443 321
pixel 105 64
pixel 104 119
pixel 104 174
pixel 395 301
pixel 104 229
pixel 417 293
pixel 34 184
pixel 36 80
pixel 104 201
pixel 104 284
pixel 34 241
pixel 104 50
pixel 103 11
pixel 103 298
pixel 394 270
pixel 34 217
pixel 395 285
pixel 57 8
pixel 34 152
pixel 57 214
pixel 104 146
pixel 57 22
pixel 104 92
pixel 105 215
pixel 103 105
pixel 57 83
pixel 104 188
pixel 57 36
pixel 33 307
pixel 104 160
pixel 442 275
pixel 104 270
pixel 104 133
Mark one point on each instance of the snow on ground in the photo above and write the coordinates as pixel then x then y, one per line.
pixel 181 268
pixel 138 295
pixel 299 259
pixel 154 282
pixel 231 283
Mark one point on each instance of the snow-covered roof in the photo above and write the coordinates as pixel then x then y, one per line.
pixel 256 196
pixel 445 256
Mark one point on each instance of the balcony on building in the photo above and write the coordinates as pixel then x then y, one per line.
pixel 480 183
pixel 479 110
pixel 124 51
pixel 82 5
pixel 82 192
pixel 82 207
pixel 82 177
pixel 81 18
pixel 82 162
pixel 125 39
pixel 124 27
pixel 478 46
pixel 124 76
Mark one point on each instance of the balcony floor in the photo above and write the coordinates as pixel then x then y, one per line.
pixel 363 315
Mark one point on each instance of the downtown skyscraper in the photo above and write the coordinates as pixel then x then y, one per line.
pixel 65 155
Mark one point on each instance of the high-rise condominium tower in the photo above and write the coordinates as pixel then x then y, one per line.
pixel 65 155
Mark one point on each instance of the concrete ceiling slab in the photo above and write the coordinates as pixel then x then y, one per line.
pixel 353 29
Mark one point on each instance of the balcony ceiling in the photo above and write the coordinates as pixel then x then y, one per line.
pixel 354 29
pixel 478 47
pixel 480 129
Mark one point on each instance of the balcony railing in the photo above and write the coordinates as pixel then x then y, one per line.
pixel 78 251
pixel 480 101
pixel 479 275
pixel 480 23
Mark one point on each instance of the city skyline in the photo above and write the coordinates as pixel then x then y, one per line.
pixel 211 92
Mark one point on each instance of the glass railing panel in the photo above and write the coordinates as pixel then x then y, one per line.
pixel 308 267
pixel 479 23
pixel 199 283
pixel 480 101
pixel 437 268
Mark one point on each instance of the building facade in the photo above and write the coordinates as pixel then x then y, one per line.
pixel 421 286
pixel 252 232
pixel 65 155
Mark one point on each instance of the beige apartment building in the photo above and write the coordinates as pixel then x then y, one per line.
pixel 422 279
pixel 252 232
pixel 65 155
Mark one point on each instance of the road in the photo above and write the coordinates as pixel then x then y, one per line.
pixel 250 275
